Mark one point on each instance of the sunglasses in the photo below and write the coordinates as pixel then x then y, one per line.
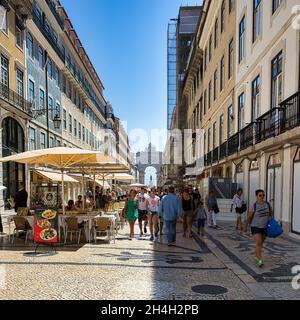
pixel 261 195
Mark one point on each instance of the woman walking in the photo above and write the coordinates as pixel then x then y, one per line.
pixel 188 213
pixel 240 207
pixel 152 207
pixel 213 209
pixel 131 211
pixel 258 217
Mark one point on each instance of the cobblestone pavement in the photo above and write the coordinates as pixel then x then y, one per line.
pixel 141 269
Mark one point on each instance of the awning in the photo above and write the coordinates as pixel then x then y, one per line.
pixel 55 177
pixel 100 183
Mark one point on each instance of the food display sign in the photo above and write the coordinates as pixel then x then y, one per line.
pixel 46 226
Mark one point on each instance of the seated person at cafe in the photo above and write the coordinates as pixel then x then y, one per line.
pixel 71 206
pixel 79 203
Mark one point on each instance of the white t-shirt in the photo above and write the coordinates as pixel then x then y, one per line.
pixel 153 203
pixel 238 201
pixel 142 198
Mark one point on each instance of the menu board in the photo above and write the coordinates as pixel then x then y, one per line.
pixel 46 226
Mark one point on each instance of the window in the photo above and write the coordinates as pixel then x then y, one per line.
pixel 83 133
pixel 64 84
pixel 51 142
pixel 222 73
pixel 86 135
pixel 241 106
pixel 42 99
pixel 58 143
pixel 275 5
pixel 50 107
pixel 221 129
pixel 75 127
pixel 257 15
pixel 205 59
pixel 57 109
pixel 256 98
pixel 79 130
pixel 215 84
pixel 209 94
pixel 43 140
pixel 31 93
pixel 231 5
pixel 19 38
pixel 242 43
pixel 210 47
pixel 223 9
pixel 49 69
pixel 277 80
pixel 230 59
pixel 230 121
pixel 214 135
pixel 4 21
pixel 216 33
pixel 70 123
pixel 69 91
pixel 30 45
pixel 204 104
pixel 4 71
pixel 201 109
pixel 41 57
pixel 32 140
pixel 64 119
pixel 20 83
pixel 208 139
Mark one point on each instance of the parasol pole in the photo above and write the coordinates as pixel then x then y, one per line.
pixel 94 193
pixel 63 190
pixel 82 191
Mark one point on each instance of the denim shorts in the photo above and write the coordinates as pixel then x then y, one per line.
pixel 201 223
pixel 143 215
pixel 262 231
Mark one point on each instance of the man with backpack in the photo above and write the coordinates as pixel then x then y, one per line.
pixel 258 218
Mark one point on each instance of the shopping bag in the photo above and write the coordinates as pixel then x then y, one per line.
pixel 274 229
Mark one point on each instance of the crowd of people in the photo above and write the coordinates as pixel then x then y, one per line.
pixel 158 208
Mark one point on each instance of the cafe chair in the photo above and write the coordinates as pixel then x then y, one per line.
pixel 103 228
pixel 21 225
pixel 72 227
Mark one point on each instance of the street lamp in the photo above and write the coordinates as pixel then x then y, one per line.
pixel 57 121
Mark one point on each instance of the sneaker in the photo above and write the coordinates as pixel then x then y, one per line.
pixel 145 230
pixel 151 238
pixel 141 234
pixel 259 262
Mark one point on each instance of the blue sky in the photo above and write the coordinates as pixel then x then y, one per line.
pixel 126 41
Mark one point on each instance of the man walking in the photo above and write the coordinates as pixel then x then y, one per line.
pixel 171 210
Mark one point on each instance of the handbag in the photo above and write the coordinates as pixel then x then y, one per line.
pixel 243 208
pixel 216 209
pixel 274 229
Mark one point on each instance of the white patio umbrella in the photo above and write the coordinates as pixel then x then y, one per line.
pixel 62 158
pixel 136 185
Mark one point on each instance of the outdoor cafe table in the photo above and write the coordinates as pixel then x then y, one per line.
pixel 86 218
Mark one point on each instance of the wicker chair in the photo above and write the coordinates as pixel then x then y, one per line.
pixel 103 227
pixel 72 227
pixel 21 225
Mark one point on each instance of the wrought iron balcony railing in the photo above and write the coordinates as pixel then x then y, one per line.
pixel 58 18
pixel 15 100
pixel 215 155
pixel 223 151
pixel 291 108
pixel 233 144
pixel 46 31
pixel 247 136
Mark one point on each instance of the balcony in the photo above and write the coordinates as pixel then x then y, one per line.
pixel 272 124
pixel 269 125
pixel 12 101
pixel 223 150
pixel 215 155
pixel 46 31
pixel 247 136
pixel 58 18
pixel 233 144
pixel 291 107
